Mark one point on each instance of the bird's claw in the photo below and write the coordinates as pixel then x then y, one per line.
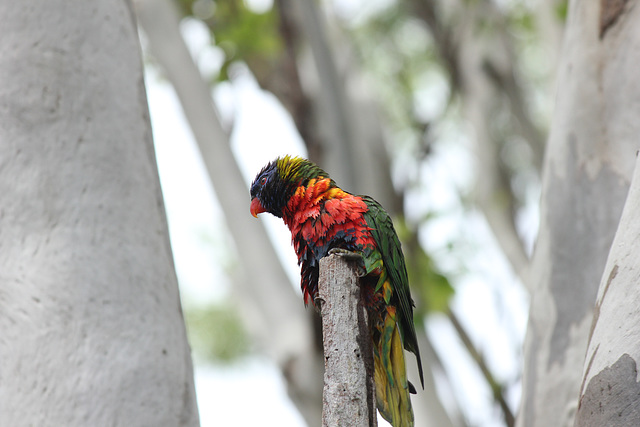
pixel 350 256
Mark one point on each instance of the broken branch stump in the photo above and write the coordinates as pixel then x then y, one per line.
pixel 348 396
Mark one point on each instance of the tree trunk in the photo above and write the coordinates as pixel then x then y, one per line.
pixel 591 150
pixel 92 330
pixel 349 390
pixel 609 391
pixel 609 394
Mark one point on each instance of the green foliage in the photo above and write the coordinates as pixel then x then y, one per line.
pixel 398 54
pixel 562 10
pixel 431 290
pixel 216 333
pixel 434 288
pixel 242 33
pixel 522 20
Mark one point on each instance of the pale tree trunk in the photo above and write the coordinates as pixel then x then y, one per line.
pixel 591 151
pixel 609 391
pixel 609 394
pixel 92 330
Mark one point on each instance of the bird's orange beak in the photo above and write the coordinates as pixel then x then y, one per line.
pixel 256 207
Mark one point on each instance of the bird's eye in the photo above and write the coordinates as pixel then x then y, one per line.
pixel 263 181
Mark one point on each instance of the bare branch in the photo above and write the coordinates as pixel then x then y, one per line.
pixel 496 388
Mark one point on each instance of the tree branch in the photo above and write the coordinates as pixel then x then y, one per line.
pixel 349 390
pixel 496 388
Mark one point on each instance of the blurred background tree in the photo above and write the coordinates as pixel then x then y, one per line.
pixel 439 110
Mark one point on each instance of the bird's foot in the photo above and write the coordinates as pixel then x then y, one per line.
pixel 351 256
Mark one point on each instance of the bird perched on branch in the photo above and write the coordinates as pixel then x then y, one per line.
pixel 321 217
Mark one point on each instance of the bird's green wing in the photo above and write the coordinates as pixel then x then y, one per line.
pixel 391 252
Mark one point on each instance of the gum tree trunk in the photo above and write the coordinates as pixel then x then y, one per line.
pixel 588 166
pixel 92 329
pixel 609 394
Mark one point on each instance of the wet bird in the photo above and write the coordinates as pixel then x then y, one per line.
pixel 323 217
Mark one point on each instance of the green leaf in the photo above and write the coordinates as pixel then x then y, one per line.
pixel 431 290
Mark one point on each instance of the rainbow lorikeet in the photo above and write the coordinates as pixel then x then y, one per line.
pixel 321 216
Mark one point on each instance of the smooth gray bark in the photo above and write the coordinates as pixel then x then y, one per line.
pixel 92 329
pixel 610 391
pixel 589 162
pixel 349 389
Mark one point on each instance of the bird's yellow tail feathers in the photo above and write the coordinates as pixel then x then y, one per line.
pixel 392 387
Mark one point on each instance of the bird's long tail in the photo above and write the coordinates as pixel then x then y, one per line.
pixel 392 386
